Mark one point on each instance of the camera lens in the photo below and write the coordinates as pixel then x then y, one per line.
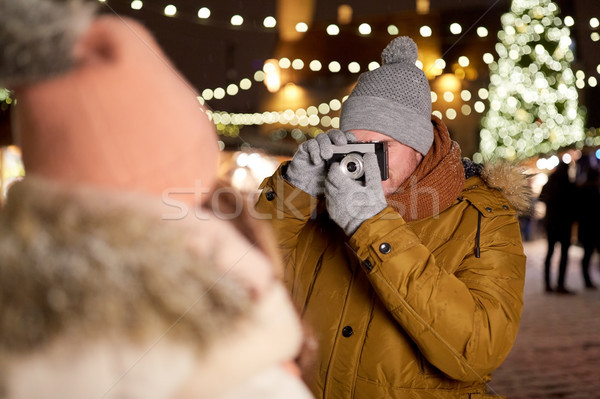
pixel 352 165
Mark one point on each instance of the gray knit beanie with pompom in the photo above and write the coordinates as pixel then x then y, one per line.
pixel 394 99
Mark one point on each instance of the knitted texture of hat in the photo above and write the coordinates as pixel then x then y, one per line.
pixel 393 99
pixel 37 38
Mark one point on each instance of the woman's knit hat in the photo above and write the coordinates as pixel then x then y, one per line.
pixel 394 99
pixel 99 103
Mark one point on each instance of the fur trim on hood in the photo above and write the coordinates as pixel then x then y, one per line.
pixel 511 180
pixel 78 259
pixel 96 270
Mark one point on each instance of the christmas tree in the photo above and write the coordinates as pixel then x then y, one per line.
pixel 533 101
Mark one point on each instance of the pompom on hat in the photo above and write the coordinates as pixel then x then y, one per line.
pixel 394 99
pixel 99 103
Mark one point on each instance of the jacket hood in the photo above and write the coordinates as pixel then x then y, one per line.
pixel 511 180
pixel 84 271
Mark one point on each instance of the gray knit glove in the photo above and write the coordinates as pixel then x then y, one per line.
pixel 349 201
pixel 308 168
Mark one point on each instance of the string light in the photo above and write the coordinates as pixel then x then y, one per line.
pixel 285 63
pixel 311 116
pixel 455 28
pixel 259 76
pixel 482 31
pixel 354 67
pixel 324 108
pixel 237 20
pixel 448 96
pixel 440 63
pixel 301 27
pixel 335 105
pixel 335 66
pixel 170 10
pixel 479 107
pixel 326 121
pixel 315 65
pixel 300 117
pixel 364 29
pixel 245 84
pixel 333 30
pixel 207 94
pixel 219 93
pixel 425 31
pixel 538 23
pixel 374 65
pixel 297 64
pixel 204 13
pixel 569 21
pixel 232 89
pixel 269 22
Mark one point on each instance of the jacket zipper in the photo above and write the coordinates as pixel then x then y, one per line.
pixel 478 236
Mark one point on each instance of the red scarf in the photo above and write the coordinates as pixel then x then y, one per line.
pixel 437 181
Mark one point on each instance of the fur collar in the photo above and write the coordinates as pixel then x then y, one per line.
pixel 85 268
pixel 512 181
pixel 74 258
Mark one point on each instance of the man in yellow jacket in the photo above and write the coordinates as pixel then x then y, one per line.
pixel 412 286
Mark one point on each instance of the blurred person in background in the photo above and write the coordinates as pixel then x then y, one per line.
pixel 588 232
pixel 559 195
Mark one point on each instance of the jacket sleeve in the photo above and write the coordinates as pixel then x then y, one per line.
pixel 464 323
pixel 286 208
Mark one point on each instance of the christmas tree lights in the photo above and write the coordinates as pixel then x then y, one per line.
pixel 533 99
pixel 5 99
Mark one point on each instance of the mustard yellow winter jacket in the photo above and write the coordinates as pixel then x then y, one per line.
pixel 425 309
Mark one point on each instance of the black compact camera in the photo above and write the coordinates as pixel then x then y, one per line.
pixel 350 157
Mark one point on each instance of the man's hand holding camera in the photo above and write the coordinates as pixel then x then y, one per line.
pixel 349 201
pixel 351 182
pixel 308 168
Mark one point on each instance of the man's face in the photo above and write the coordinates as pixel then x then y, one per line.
pixel 402 159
